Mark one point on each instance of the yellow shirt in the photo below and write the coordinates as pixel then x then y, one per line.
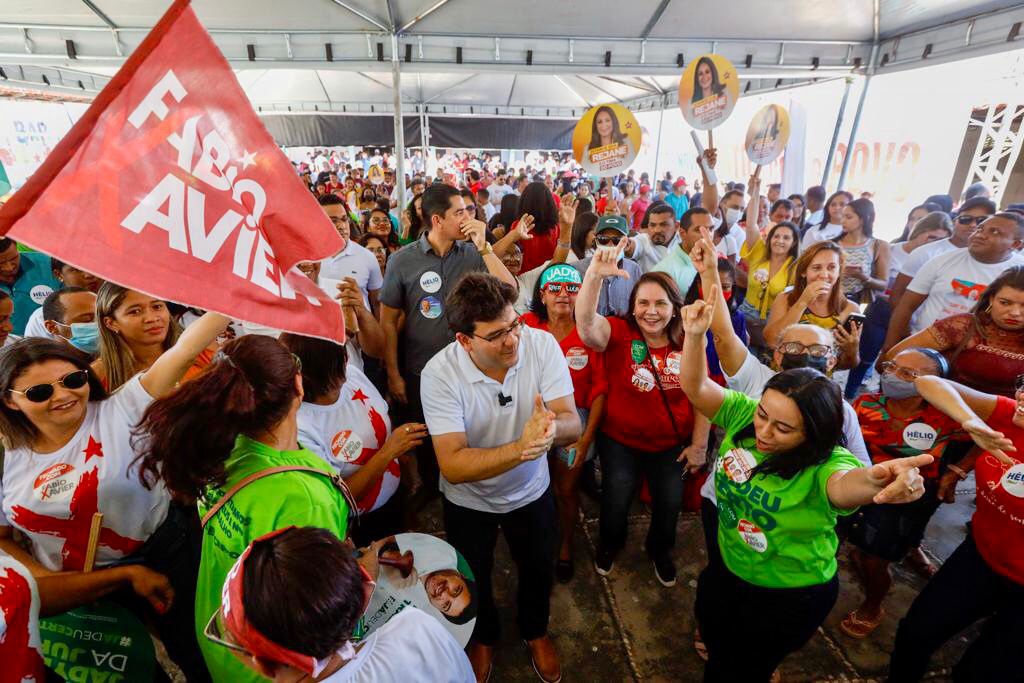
pixel 762 290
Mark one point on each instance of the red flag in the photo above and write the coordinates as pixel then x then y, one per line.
pixel 170 184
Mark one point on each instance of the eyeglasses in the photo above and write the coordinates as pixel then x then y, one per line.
pixel 890 368
pixel 968 220
pixel 560 287
pixel 499 336
pixel 380 220
pixel 42 392
pixel 813 350
pixel 609 240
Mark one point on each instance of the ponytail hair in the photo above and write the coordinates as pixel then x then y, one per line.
pixel 185 437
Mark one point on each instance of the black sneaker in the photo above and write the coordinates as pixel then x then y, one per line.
pixel 604 562
pixel 665 571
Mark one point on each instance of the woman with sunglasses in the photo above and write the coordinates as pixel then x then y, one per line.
pixel 69 454
pixel 898 423
pixel 781 481
pixel 985 348
pixel 648 429
pixel 312 639
pixel 554 301
pixel 984 577
pixel 216 440
pixel 135 330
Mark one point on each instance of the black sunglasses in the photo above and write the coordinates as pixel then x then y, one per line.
pixel 968 220
pixel 42 392
pixel 609 240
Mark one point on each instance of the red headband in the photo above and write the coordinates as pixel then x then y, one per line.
pixel 232 607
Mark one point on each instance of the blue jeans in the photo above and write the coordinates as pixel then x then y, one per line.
pixel 621 468
pixel 872 337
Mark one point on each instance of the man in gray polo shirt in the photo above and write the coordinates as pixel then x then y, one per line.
pixel 416 283
pixel 496 400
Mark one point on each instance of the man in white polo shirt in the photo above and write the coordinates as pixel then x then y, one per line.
pixel 354 260
pixel 495 401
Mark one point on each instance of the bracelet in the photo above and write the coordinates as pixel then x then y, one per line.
pixel 564 246
pixel 957 471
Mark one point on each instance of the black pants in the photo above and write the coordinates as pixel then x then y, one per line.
pixel 621 468
pixel 532 536
pixel 383 522
pixel 174 550
pixel 965 590
pixel 709 521
pixel 426 459
pixel 748 629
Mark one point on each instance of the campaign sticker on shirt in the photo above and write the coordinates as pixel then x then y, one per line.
pixel 577 358
pixel 430 307
pixel 737 465
pixel 56 482
pixel 920 435
pixel 430 282
pixel 761 276
pixel 39 293
pixel 752 535
pixel 643 379
pixel 638 350
pixel 346 446
pixel 1013 481
pixel 673 362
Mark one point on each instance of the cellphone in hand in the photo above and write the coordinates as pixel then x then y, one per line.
pixel 854 318
pixel 567 455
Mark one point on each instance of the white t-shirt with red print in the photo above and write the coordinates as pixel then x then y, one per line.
pixel 349 433
pixel 51 497
pixel 20 658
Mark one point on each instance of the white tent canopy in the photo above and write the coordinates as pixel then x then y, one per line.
pixel 527 57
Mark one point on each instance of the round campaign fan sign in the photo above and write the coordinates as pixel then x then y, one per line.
pixel 708 91
pixel 375 175
pixel 767 134
pixel 419 571
pixel 606 140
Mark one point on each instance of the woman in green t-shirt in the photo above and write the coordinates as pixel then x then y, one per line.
pixel 237 419
pixel 781 479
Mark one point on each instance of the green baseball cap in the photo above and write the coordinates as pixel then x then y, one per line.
pixel 558 273
pixel 614 222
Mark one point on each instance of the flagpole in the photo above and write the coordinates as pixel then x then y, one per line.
pixel 396 84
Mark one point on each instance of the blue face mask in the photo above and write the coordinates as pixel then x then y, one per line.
pixel 85 337
pixel 896 388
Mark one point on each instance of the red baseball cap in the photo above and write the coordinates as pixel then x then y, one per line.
pixel 680 182
pixel 645 188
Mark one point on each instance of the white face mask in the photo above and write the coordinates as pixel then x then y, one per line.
pixel 733 215
pixel 715 223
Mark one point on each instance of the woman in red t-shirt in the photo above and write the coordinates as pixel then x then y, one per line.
pixel 984 577
pixel 649 427
pixel 552 310
pixel 538 202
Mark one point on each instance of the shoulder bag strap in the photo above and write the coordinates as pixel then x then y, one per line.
pixel 335 479
pixel 664 398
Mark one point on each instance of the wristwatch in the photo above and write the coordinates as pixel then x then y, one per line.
pixel 487 249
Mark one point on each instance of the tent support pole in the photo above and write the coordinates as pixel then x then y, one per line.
pixel 856 117
pixel 396 85
pixel 657 149
pixel 835 134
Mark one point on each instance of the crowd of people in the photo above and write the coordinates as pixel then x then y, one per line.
pixel 515 339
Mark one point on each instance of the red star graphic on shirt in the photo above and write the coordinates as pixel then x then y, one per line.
pixel 95 448
pixel 75 529
pixel 380 432
pixel 360 396
pixel 15 650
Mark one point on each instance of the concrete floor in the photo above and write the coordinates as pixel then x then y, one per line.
pixel 606 630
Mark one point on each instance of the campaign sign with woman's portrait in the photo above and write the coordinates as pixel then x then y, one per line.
pixel 708 91
pixel 439 582
pixel 767 134
pixel 606 140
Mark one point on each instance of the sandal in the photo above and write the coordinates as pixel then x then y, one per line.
pixel 920 563
pixel 855 627
pixel 699 646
